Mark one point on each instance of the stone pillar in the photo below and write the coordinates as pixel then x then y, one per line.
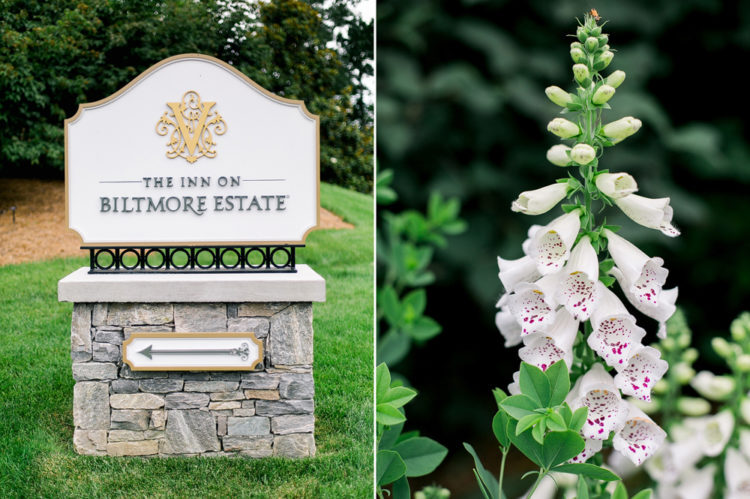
pixel 120 412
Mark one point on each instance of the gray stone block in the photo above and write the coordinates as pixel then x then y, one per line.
pixel 78 357
pixel 190 431
pixel 284 425
pixel 80 328
pixel 200 317
pixel 136 314
pixel 94 371
pixel 221 425
pixel 244 412
pixel 297 386
pixel 259 326
pixel 158 420
pixel 220 396
pixel 182 400
pixel 249 446
pixel 252 425
pixel 127 331
pixel 126 435
pixel 129 420
pixel 140 448
pixel 291 336
pixel 294 445
pixel 124 386
pixel 282 407
pixel 114 337
pixel 136 401
pixel 224 405
pixel 90 442
pixel 224 376
pixel 127 373
pixel 260 381
pixel 99 314
pixel 211 386
pixel 105 352
pixel 161 385
pixel 91 405
pixel 260 309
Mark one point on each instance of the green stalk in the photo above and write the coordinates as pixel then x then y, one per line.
pixel 502 471
pixel 540 476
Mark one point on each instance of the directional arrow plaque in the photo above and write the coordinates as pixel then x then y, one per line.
pixel 193 352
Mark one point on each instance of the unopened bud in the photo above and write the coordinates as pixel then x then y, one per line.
pixel 740 327
pixel 563 128
pixel 603 39
pixel 693 406
pixel 721 347
pixel 683 373
pixel 581 74
pixel 649 408
pixel 603 60
pixel 745 409
pixel 743 363
pixel 577 55
pixel 615 79
pixel 591 44
pixel 603 94
pixel 558 95
pixel 668 343
pixel 582 154
pixel 683 340
pixel 712 387
pixel 596 31
pixel 558 155
pixel 622 128
pixel 660 387
pixel 690 355
pixel 582 34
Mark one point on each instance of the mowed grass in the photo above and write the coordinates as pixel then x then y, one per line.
pixel 36 389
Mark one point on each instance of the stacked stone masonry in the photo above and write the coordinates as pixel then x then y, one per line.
pixel 119 412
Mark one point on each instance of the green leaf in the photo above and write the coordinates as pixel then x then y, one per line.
pixel 620 491
pixel 398 396
pixel 391 306
pixel 487 481
pixel 421 455
pixel 559 381
pixel 537 432
pixel 423 329
pixel 607 280
pixel 408 435
pixel 401 489
pixel 559 446
pixel 606 265
pixel 388 415
pixel 390 436
pixel 527 422
pixel 644 494
pixel 390 467
pixel 588 470
pixel 528 446
pixel 555 422
pixel 500 428
pixel 393 347
pixel 518 406
pixel 413 305
pixel 582 490
pixel 383 384
pixel 567 208
pixel 566 413
pixel 579 418
pixel 534 384
pixel 499 395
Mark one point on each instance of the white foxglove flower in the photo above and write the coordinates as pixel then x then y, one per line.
pixel 563 128
pixel 582 154
pixel 713 387
pixel 639 438
pixel 745 409
pixel 673 459
pixel 745 442
pixel 736 475
pixel 558 96
pixel 661 312
pixel 644 369
pixel 577 290
pixel 513 272
pixel 515 388
pixel 533 305
pixel 715 431
pixel 693 406
pixel 694 484
pixel 540 200
pixel 544 349
pixel 645 276
pixel 558 155
pixel 651 213
pixel 550 245
pixel 509 328
pixel 591 448
pixel 607 411
pixel 616 185
pixel 622 128
pixel 621 465
pixel 615 336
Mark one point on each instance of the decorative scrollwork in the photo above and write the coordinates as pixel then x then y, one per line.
pixel 191 127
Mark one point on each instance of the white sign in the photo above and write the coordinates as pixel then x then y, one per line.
pixel 192 152
pixel 192 351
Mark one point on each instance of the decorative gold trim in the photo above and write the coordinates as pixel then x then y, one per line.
pixel 246 79
pixel 250 335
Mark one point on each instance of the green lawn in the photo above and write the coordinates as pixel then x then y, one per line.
pixel 36 389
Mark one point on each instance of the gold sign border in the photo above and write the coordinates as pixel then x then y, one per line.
pixel 250 335
pixel 242 76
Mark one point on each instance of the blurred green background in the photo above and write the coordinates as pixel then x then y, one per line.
pixel 461 110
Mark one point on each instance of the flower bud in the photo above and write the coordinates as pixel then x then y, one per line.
pixel 558 155
pixel 740 326
pixel 690 355
pixel 603 94
pixel 721 347
pixel 683 340
pixel 668 343
pixel 745 409
pixel 582 154
pixel 712 387
pixel 603 39
pixel 603 60
pixel 576 45
pixel 581 74
pixel 647 407
pixel 616 185
pixel 615 79
pixel 660 388
pixel 605 48
pixel 683 373
pixel 582 34
pixel 558 95
pixel 563 128
pixel 693 406
pixel 591 44
pixel 577 55
pixel 596 31
pixel 743 363
pixel 540 200
pixel 622 128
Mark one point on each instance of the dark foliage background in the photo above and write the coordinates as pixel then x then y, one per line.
pixel 56 54
pixel 461 110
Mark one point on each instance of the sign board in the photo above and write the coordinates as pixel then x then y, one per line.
pixel 192 351
pixel 192 152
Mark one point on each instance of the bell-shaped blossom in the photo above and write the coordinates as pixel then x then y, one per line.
pixel 673 459
pixel 745 442
pixel 533 304
pixel 550 245
pixel 513 272
pixel 616 185
pixel 607 411
pixel 639 438
pixel 563 128
pixel 544 349
pixel 509 327
pixel 558 155
pixel 651 213
pixel 660 312
pixel 529 236
pixel 644 369
pixel 745 410
pixel 713 387
pixel 693 484
pixel 615 336
pixel 736 475
pixel 577 290
pixel 591 448
pixel 515 387
pixel 645 276
pixel 715 431
pixel 540 200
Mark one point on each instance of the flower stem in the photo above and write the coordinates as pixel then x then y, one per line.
pixel 502 471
